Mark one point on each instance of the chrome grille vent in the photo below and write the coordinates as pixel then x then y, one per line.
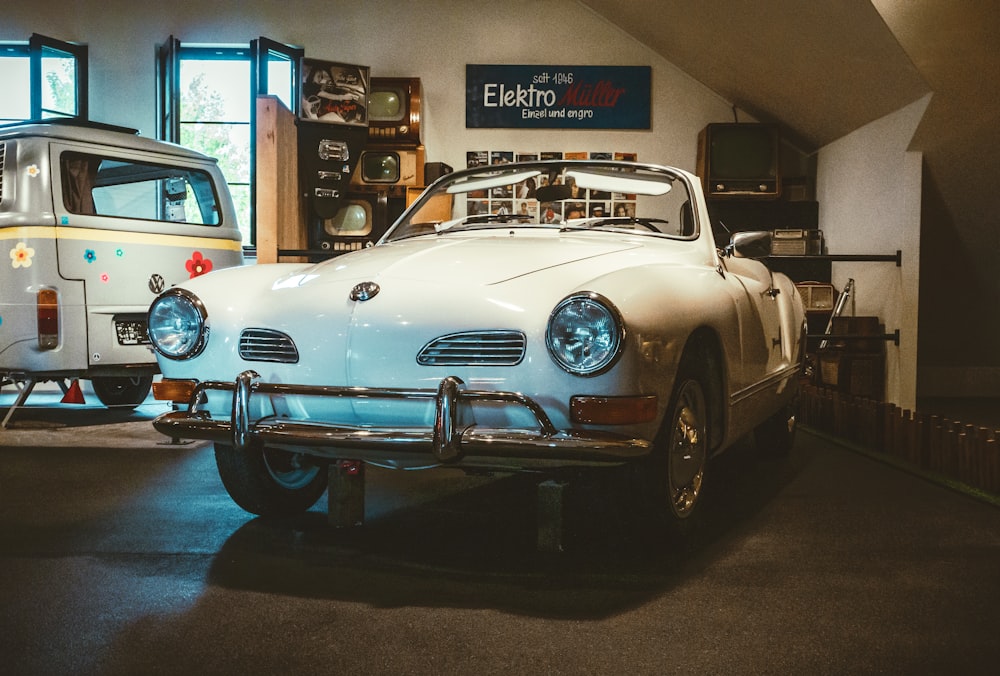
pixel 474 348
pixel 267 345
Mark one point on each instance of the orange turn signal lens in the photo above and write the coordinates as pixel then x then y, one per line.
pixel 174 390
pixel 590 410
pixel 47 310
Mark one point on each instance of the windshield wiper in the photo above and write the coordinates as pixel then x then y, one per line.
pixel 626 221
pixel 496 218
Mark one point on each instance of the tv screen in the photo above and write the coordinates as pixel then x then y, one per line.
pixel 740 160
pixel 387 105
pixel 380 167
pixel 742 152
pixel 354 219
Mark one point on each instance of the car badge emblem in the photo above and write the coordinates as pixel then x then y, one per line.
pixel 156 283
pixel 364 291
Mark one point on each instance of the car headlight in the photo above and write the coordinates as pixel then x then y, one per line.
pixel 585 334
pixel 178 325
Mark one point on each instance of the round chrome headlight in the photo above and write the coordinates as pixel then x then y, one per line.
pixel 178 324
pixel 585 334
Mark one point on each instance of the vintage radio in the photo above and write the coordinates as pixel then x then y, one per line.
pixel 361 221
pixel 796 242
pixel 389 169
pixel 817 296
pixel 435 170
pixel 394 110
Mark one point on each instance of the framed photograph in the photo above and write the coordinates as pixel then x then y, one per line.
pixel 334 93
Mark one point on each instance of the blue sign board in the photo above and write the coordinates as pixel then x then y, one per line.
pixel 557 97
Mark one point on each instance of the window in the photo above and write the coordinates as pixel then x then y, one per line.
pixel 206 102
pixel 104 186
pixel 15 81
pixel 41 79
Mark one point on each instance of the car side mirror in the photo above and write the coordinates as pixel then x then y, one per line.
pixel 750 244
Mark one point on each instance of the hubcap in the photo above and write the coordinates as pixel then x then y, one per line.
pixel 687 454
pixel 289 470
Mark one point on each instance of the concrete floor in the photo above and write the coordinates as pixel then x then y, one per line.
pixel 121 553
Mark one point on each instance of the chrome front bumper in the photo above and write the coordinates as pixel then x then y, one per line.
pixel 447 442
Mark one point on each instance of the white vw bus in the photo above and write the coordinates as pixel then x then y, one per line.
pixel 95 221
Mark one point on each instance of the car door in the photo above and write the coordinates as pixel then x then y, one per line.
pixel 766 345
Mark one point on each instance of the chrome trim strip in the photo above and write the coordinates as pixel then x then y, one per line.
pixel 775 379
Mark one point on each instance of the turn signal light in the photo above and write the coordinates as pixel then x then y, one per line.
pixel 174 390
pixel 590 410
pixel 47 309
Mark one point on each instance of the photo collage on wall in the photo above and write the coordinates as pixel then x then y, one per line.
pixel 520 199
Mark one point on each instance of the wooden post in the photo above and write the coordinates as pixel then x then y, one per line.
pixel 280 217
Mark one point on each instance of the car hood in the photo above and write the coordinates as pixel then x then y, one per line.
pixel 476 260
pixel 427 289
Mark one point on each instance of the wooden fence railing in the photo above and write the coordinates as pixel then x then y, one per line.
pixel 966 453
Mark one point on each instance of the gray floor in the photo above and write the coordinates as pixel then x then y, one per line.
pixel 122 554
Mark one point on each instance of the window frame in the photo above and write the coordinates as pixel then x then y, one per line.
pixel 260 53
pixel 35 50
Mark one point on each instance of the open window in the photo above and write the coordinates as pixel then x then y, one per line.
pixel 205 101
pixel 44 78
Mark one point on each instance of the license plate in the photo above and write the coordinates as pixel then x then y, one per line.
pixel 131 332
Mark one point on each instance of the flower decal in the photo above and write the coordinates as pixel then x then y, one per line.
pixel 21 255
pixel 34 171
pixel 89 255
pixel 105 277
pixel 198 265
pixel 119 252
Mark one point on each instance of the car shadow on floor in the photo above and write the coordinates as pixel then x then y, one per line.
pixel 477 548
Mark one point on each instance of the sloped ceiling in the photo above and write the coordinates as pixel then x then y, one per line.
pixel 824 68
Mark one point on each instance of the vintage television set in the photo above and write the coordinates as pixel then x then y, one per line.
pixel 361 220
pixel 389 169
pixel 740 160
pixel 394 110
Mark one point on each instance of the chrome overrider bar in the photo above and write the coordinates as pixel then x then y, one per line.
pixel 448 441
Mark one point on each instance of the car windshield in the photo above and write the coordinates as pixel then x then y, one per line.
pixel 567 195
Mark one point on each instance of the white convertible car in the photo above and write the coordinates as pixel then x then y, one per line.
pixel 528 316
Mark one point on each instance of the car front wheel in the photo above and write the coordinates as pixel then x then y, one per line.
pixel 269 482
pixel 686 449
pixel 672 478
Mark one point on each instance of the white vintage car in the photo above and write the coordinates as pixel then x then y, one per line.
pixel 528 316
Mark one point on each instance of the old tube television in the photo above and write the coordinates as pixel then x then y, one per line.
pixel 740 160
pixel 394 110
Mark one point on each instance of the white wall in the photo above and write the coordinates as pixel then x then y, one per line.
pixel 433 40
pixel 869 192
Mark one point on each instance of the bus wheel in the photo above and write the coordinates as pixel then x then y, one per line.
pixel 121 391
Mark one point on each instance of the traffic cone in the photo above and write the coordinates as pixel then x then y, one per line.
pixel 73 395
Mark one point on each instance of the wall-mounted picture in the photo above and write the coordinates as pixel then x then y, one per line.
pixel 521 198
pixel 335 93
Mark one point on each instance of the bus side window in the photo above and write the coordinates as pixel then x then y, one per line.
pixel 118 188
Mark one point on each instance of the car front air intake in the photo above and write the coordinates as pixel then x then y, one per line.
pixel 267 345
pixel 474 348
